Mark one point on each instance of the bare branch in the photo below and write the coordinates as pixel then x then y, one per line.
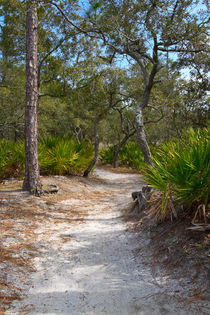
pixel 156 120
pixel 50 52
pixel 86 84
pixel 66 17
pixel 109 60
pixel 183 50
pixel 174 10
pixel 136 57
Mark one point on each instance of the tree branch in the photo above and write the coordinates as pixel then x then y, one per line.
pixel 182 50
pixel 50 52
pixel 81 30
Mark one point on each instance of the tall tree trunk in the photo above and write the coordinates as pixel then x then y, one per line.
pixel 140 133
pixel 141 137
pixel 119 148
pixel 148 84
pixel 96 148
pixel 32 177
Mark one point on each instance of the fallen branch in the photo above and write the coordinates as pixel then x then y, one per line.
pixel 52 190
pixel 199 227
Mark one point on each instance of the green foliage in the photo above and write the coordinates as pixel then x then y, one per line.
pixel 18 155
pixel 12 159
pixel 85 155
pixel 107 154
pixel 59 159
pixel 130 155
pixel 181 170
pixel 5 152
pixel 61 156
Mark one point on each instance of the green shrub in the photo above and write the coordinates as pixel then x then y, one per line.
pixel 107 155
pixel 18 155
pixel 5 155
pixel 12 159
pixel 63 156
pixel 85 155
pixel 58 159
pixel 130 155
pixel 57 155
pixel 181 170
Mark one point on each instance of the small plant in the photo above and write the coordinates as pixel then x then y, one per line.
pixel 107 155
pixel 12 159
pixel 85 155
pixel 197 261
pixel 181 172
pixel 63 156
pixel 57 155
pixel 5 155
pixel 130 155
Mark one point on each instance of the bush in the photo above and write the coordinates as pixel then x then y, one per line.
pixel 107 155
pixel 130 155
pixel 181 171
pixel 12 159
pixel 57 155
pixel 63 156
pixel 85 152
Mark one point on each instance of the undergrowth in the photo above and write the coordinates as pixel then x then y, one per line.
pixel 64 156
pixel 130 156
pixel 57 155
pixel 181 175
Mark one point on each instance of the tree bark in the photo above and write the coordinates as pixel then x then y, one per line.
pixel 141 137
pixel 140 133
pixel 148 84
pixel 119 148
pixel 96 149
pixel 32 176
pixel 96 135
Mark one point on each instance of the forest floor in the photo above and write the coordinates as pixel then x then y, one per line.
pixel 77 252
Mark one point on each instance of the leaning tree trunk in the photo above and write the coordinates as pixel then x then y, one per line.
pixel 148 84
pixel 141 137
pixel 32 177
pixel 119 148
pixel 140 133
pixel 96 150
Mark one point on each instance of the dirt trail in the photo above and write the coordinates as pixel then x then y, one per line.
pixel 84 255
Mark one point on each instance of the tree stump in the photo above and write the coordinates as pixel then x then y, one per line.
pixel 141 197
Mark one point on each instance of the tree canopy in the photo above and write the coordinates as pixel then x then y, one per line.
pixel 134 55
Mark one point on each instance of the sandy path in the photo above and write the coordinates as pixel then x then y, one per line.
pixel 87 265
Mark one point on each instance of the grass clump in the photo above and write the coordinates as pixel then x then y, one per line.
pixel 181 173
